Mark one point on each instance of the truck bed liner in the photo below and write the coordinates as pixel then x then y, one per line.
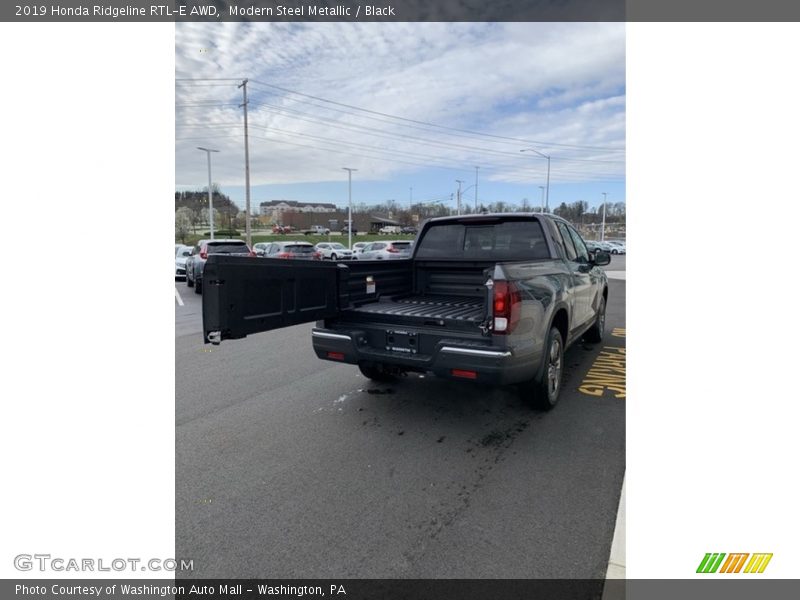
pixel 458 308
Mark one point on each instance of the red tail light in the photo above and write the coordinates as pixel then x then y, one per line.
pixel 204 254
pixel 392 249
pixel 506 305
pixel 463 373
pixel 317 256
pixel 283 255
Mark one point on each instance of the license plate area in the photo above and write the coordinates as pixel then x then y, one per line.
pixel 401 341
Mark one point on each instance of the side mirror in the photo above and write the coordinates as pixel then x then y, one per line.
pixel 601 258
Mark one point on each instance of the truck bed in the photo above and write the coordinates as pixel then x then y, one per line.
pixel 423 309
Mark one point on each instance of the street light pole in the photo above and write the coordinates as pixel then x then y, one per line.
pixel 547 200
pixel 208 152
pixel 603 226
pixel 541 187
pixel 246 168
pixel 458 198
pixel 349 206
pixel 476 189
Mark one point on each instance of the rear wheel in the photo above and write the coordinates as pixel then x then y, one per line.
pixel 375 372
pixel 333 256
pixel 189 282
pixel 198 286
pixel 595 332
pixel 544 392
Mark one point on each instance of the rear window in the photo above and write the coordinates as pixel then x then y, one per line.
pixel 401 245
pixel 297 249
pixel 506 240
pixel 227 248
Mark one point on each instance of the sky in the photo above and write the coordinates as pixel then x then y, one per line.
pixel 414 107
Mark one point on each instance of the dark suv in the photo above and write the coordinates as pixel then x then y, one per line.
pixel 197 261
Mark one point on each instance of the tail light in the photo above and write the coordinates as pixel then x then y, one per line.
pixel 252 253
pixel 204 253
pixel 392 249
pixel 316 256
pixel 283 255
pixel 506 305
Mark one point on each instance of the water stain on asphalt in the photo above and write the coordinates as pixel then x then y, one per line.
pixel 378 392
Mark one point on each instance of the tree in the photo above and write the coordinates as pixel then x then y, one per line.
pixel 183 221
pixel 204 217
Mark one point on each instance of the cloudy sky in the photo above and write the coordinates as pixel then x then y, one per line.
pixel 410 105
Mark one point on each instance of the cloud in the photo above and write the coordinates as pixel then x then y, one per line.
pixel 558 85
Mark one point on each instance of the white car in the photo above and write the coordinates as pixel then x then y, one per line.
pixel 358 247
pixel 181 254
pixel 333 251
pixel 386 250
pixel 616 247
pixel 262 248
pixel 389 230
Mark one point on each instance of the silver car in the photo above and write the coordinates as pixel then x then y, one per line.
pixel 386 250
pixel 333 251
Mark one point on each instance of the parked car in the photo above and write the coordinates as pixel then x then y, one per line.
pixel 281 229
pixel 617 247
pixel 301 250
pixel 489 298
pixel 262 248
pixel 316 230
pixel 334 251
pixel 345 231
pixel 386 250
pixel 592 246
pixel 409 230
pixel 358 247
pixel 196 262
pixel 181 254
pixel 389 230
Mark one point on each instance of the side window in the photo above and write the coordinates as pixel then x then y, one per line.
pixel 569 247
pixel 196 250
pixel 274 249
pixel 580 247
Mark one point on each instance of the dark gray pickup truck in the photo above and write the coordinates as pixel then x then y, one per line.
pixel 490 298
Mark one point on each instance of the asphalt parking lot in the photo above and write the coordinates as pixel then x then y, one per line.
pixel 288 466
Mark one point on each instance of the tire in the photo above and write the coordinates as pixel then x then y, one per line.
pixel 375 373
pixel 333 256
pixel 595 332
pixel 198 286
pixel 543 393
pixel 189 282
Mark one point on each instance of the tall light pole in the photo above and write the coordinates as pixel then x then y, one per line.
pixel 208 152
pixel 476 188
pixel 547 200
pixel 603 226
pixel 349 206
pixel 246 168
pixel 541 187
pixel 458 198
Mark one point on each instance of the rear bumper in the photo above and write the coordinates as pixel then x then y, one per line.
pixel 451 358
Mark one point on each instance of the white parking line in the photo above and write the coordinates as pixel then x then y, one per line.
pixel 178 298
pixel 616 559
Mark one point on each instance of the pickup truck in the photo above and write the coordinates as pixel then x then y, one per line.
pixel 490 298
pixel 316 230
